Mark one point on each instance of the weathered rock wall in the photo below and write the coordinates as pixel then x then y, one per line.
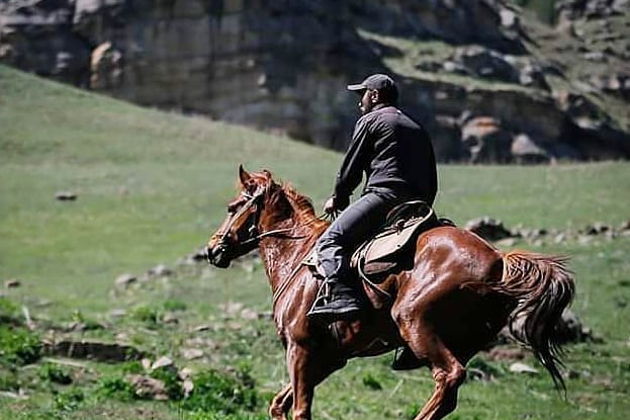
pixel 282 65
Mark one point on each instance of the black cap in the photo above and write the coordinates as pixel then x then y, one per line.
pixel 376 82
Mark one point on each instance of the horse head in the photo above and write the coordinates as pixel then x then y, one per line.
pixel 239 232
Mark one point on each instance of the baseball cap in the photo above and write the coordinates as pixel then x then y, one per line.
pixel 375 81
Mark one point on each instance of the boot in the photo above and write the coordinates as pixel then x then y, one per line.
pixel 337 303
pixel 406 360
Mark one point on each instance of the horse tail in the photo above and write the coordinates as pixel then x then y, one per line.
pixel 543 288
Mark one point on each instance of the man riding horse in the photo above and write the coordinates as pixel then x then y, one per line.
pixel 396 155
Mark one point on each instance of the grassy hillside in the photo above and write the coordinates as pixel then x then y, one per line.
pixel 151 187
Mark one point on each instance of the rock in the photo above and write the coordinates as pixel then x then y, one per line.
pixel 231 309
pixel 65 196
pixel 486 63
pixel 199 256
pixel 163 362
pixel 191 354
pixel 124 280
pixel 506 354
pixel 170 318
pixel 160 270
pixel 12 283
pixel 146 387
pixel 519 367
pixel 185 373
pixel 117 313
pixel 507 242
pixel 93 350
pixel 106 66
pixel 161 54
pixel 486 140
pixel 597 228
pixel 249 314
pixel 572 330
pixel 560 238
pixel 188 386
pixel 569 330
pixel 488 228
pixel 201 328
pixel 524 150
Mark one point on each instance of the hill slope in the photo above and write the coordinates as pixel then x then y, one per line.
pixel 152 185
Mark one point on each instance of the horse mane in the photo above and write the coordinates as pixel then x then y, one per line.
pixel 302 207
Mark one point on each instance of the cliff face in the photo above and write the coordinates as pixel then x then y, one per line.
pixel 283 66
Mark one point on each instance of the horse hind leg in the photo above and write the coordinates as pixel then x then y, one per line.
pixel 448 372
pixel 281 403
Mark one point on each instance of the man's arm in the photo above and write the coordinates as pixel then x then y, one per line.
pixel 354 162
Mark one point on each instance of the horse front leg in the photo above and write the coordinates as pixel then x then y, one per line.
pixel 281 403
pixel 300 366
pixel 306 372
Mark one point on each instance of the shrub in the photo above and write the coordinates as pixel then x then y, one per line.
pixel 18 346
pixel 69 400
pixel 216 392
pixel 174 305
pixel 146 314
pixel 49 372
pixel 116 388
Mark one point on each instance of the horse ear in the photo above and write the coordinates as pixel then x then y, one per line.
pixel 243 175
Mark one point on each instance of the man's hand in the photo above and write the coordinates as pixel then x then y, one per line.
pixel 334 205
pixel 329 206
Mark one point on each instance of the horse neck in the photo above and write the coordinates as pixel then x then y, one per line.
pixel 281 255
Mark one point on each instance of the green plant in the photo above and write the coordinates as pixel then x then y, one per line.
pixel 8 380
pixel 18 346
pixel 146 314
pixel 68 400
pixel 174 305
pixel 219 392
pixel 171 380
pixel 49 372
pixel 8 309
pixel 371 382
pixel 116 388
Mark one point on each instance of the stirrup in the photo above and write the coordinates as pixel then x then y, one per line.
pixel 329 308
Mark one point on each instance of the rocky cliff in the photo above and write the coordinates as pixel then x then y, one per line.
pixel 490 82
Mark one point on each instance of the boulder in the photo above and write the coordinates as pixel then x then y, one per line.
pixel 525 150
pixel 93 350
pixel 106 67
pixel 483 62
pixel 125 280
pixel 65 196
pixel 488 228
pixel 12 283
pixel 486 141
pixel 147 387
pixel 519 367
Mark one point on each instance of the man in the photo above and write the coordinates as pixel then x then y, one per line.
pixel 397 157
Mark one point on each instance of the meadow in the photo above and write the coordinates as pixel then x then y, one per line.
pixel 151 186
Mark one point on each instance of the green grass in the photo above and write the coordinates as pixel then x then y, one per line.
pixel 152 186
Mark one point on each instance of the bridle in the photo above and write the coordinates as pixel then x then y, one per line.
pixel 253 199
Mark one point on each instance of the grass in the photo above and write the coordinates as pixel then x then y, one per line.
pixel 152 186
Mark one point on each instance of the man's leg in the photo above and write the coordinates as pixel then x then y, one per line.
pixel 353 226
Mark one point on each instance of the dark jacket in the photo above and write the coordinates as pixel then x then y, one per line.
pixel 395 153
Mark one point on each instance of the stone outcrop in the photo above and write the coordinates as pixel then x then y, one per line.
pixel 283 65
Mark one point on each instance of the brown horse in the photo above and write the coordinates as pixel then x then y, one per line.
pixel 459 293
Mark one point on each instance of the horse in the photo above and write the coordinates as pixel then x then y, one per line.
pixel 451 304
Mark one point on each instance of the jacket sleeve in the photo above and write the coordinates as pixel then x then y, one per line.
pixel 354 163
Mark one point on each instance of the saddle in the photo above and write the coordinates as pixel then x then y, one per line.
pixel 383 254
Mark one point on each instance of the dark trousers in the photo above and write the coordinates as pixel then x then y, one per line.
pixel 358 222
